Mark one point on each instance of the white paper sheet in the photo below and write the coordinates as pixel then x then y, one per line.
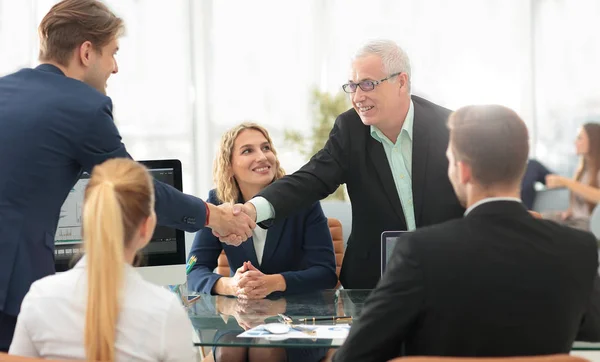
pixel 338 331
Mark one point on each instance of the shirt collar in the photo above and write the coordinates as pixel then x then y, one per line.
pixel 490 199
pixel 129 269
pixel 407 126
pixel 50 68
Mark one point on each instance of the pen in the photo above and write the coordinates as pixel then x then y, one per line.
pixel 287 320
pixel 190 264
pixel 334 319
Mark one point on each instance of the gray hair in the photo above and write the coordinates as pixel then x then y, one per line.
pixel 394 59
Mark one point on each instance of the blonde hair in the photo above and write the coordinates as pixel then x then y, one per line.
pixel 228 189
pixel 118 198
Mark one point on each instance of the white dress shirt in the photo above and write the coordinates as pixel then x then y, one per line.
pixel 490 199
pixel 259 238
pixel 152 325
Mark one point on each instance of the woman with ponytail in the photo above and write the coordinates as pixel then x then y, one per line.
pixel 102 310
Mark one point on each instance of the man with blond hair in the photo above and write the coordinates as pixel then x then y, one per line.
pixel 56 122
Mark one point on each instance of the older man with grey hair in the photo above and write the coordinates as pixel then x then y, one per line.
pixel 389 150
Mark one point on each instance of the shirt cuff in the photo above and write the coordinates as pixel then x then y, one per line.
pixel 264 209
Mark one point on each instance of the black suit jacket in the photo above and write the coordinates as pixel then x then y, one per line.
pixel 495 283
pixel 353 157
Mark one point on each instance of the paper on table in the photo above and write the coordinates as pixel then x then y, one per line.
pixel 337 331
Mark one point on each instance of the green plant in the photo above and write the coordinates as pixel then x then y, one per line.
pixel 326 107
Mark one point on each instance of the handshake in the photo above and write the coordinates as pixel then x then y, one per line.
pixel 232 224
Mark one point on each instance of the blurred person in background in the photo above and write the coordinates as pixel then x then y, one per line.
pixel 584 186
pixel 534 173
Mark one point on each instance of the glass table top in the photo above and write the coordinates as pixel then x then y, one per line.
pixel 218 320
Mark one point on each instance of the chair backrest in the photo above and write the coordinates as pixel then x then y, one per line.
pixel 549 358
pixel 336 230
pixel 10 358
pixel 551 200
pixel 341 210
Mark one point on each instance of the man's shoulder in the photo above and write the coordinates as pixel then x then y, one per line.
pixel 441 232
pixel 55 89
pixel 570 235
pixel 434 111
pixel 349 118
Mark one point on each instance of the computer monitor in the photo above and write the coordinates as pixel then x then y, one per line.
pixel 389 239
pixel 164 256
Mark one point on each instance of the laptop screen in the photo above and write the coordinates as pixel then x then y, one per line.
pixel 389 239
pixel 167 245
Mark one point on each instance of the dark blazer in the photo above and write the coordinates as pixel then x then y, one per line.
pixel 496 283
pixel 51 129
pixel 298 247
pixel 535 172
pixel 353 157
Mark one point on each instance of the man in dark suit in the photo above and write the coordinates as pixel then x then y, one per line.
pixel 388 150
pixel 498 282
pixel 55 123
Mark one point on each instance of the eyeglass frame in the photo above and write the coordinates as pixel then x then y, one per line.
pixel 375 83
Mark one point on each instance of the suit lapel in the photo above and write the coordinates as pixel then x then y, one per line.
pixel 420 151
pixel 248 248
pixel 273 237
pixel 385 175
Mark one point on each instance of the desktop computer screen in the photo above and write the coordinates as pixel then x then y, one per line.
pixel 166 248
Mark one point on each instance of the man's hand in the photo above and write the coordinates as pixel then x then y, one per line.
pixel 238 210
pixel 227 219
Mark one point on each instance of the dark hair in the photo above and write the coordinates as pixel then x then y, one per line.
pixel 493 140
pixel 70 23
pixel 590 162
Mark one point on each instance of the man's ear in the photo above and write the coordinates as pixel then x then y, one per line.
pixel 85 53
pixel 464 172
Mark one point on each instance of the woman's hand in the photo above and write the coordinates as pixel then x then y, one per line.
pixel 555 181
pixel 230 285
pixel 254 284
pixel 250 313
pixel 566 215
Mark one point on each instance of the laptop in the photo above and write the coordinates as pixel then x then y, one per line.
pixel 389 239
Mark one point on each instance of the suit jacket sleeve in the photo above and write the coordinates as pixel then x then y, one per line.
pixel 589 331
pixel 319 257
pixel 389 311
pixel 321 176
pixel 101 141
pixel 206 248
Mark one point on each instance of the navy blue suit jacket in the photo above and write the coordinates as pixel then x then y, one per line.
pixel 52 128
pixel 298 247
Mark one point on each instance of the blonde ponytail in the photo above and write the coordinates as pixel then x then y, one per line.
pixel 104 238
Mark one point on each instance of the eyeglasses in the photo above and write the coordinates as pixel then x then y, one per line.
pixel 366 85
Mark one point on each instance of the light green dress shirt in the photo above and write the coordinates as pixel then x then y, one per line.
pixel 399 155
